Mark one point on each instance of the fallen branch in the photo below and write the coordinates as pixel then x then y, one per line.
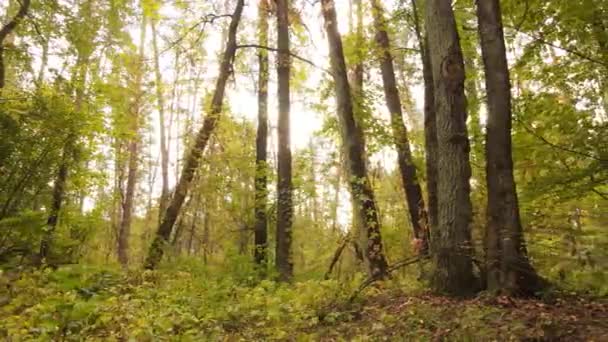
pixel 397 265
pixel 337 255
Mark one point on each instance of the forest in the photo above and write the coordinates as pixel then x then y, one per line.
pixel 304 170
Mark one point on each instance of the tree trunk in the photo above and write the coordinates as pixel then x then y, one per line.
pixel 409 179
pixel 430 123
pixel 192 159
pixel 124 231
pixel 284 264
pixel 164 152
pixel 261 144
pixel 6 30
pixel 58 194
pixel 68 157
pixel 354 146
pixel 453 252
pixel 507 265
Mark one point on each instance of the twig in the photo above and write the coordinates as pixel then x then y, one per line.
pixel 543 139
pixel 569 50
pixel 257 46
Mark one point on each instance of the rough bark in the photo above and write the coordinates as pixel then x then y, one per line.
pixel 507 266
pixel 164 151
pixel 453 253
pixel 8 29
pixel 284 264
pixel 192 160
pixel 354 147
pixel 430 123
pixel 409 179
pixel 261 144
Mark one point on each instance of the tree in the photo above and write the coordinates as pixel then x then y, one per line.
pixel 452 250
pixel 70 151
pixel 352 140
pixel 507 265
pixel 7 29
pixel 430 122
pixel 261 143
pixel 409 179
pixel 164 151
pixel 284 263
pixel 192 160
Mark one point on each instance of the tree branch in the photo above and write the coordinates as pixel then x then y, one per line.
pixel 257 46
pixel 568 50
pixel 6 30
pixel 543 139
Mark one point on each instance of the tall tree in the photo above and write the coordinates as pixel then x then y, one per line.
pixel 409 179
pixel 164 151
pixel 507 264
pixel 452 250
pixel 284 263
pixel 261 143
pixel 354 147
pixel 7 29
pixel 358 95
pixel 135 116
pixel 69 149
pixel 430 122
pixel 192 159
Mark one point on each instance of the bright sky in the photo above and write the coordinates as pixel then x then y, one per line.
pixel 241 94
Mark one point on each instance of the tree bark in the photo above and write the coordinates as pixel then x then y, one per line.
pixel 430 123
pixel 453 252
pixel 409 179
pixel 354 146
pixel 124 231
pixel 507 266
pixel 164 151
pixel 284 264
pixel 261 144
pixel 68 157
pixel 59 188
pixel 8 29
pixel 192 160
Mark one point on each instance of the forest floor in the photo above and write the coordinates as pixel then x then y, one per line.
pixel 79 303
pixel 426 317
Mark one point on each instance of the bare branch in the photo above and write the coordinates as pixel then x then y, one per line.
pixel 257 46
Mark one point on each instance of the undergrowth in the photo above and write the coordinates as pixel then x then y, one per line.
pixel 190 303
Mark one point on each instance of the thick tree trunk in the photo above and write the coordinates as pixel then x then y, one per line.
pixel 164 151
pixel 261 144
pixel 409 179
pixel 284 264
pixel 453 252
pixel 192 160
pixel 507 265
pixel 354 146
pixel 430 123
pixel 6 30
